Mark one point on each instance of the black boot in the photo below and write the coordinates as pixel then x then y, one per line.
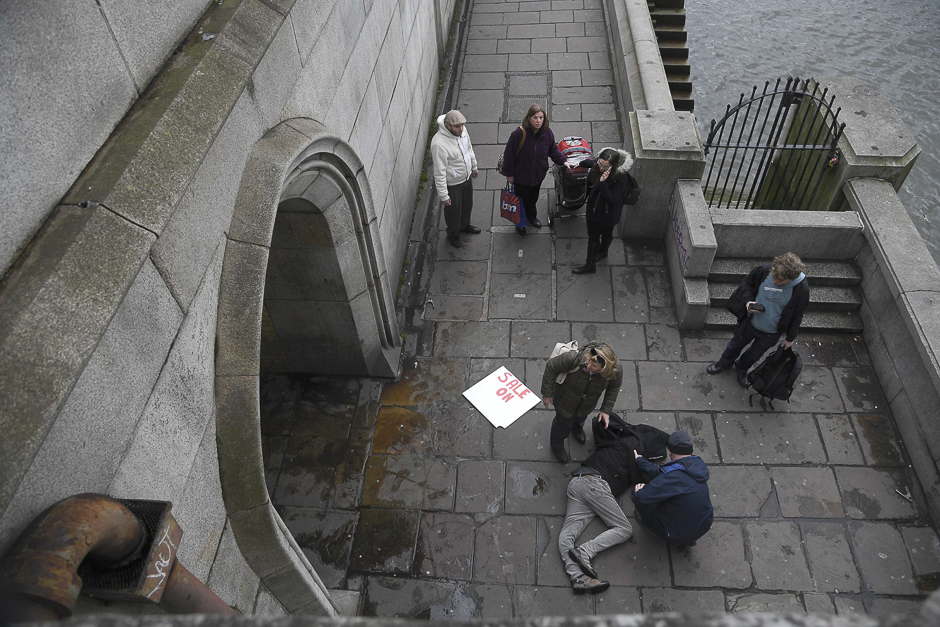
pixel 604 247
pixel 590 266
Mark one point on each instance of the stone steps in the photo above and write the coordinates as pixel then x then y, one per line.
pixel 815 321
pixel 667 17
pixel 835 295
pixel 819 272
pixel 669 25
pixel 821 297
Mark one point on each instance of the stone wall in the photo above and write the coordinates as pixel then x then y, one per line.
pixel 900 311
pixel 108 316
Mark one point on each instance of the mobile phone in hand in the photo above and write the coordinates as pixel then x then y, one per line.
pixel 757 307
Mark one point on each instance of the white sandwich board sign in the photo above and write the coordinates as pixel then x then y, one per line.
pixel 501 397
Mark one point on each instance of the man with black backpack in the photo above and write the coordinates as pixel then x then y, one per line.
pixel 593 492
pixel 769 303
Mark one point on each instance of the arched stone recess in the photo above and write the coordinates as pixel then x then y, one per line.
pixel 303 205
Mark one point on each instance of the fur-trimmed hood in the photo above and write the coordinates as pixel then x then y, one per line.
pixel 626 162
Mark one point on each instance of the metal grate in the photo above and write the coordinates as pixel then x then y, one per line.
pixel 772 149
pixel 127 578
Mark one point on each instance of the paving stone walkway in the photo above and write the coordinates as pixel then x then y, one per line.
pixel 409 503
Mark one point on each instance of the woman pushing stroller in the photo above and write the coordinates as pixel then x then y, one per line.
pixel 611 187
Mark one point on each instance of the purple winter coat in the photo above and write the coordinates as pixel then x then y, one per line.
pixel 531 166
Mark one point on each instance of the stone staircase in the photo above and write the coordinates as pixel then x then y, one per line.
pixel 669 26
pixel 835 295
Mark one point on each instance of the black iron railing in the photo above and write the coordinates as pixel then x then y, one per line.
pixel 771 150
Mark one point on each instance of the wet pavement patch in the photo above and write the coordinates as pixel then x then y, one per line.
pixel 385 541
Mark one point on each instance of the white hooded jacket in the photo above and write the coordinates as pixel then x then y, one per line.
pixel 452 158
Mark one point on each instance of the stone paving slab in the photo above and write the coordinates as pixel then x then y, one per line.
pixel 408 481
pixel 325 537
pixel 923 547
pixel 480 486
pixel 769 439
pixel 777 557
pixel 618 600
pixel 701 429
pixel 870 493
pixel 537 339
pixel 660 600
pixel 456 308
pixel 773 603
pixel 878 439
pixel 717 559
pixel 627 340
pixel 830 557
pixel 882 558
pixel 471 339
pixel 641 561
pixel 585 297
pixel 504 550
pixel 543 601
pixel 445 544
pixel 739 491
pixel 537 487
pixel 520 296
pixel 807 493
pixel 839 438
pixel 460 431
pixel 384 541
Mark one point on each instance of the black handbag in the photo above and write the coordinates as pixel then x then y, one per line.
pixel 634 194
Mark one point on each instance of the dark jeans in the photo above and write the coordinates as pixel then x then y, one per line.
pixel 529 195
pixel 601 235
pixel 457 215
pixel 744 333
pixel 561 429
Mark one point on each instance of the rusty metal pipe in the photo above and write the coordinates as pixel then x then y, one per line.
pixel 38 578
pixel 186 594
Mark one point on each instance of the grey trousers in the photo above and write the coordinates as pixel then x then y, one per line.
pixel 589 497
pixel 457 214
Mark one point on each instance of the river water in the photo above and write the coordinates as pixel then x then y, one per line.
pixel 893 44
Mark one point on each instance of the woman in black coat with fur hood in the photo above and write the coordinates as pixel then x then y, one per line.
pixel 610 187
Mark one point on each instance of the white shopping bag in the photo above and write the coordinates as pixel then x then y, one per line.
pixel 501 397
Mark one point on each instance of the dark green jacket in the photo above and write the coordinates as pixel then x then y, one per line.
pixel 567 396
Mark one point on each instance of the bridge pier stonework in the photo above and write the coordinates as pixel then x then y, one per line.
pixel 302 249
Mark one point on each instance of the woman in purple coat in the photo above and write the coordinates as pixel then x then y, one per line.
pixel 525 161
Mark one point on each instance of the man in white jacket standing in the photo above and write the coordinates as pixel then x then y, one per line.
pixel 455 167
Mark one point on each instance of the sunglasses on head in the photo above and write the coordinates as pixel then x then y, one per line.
pixel 598 358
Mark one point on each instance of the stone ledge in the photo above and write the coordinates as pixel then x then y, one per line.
pixel 815 234
pixel 146 165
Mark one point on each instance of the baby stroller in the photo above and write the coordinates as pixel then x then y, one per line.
pixel 570 185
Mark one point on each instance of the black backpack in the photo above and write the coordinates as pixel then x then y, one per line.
pixel 775 376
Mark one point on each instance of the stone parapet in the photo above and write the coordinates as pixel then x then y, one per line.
pixel 764 234
pixel 901 314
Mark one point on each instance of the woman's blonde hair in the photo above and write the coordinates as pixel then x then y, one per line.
pixel 610 358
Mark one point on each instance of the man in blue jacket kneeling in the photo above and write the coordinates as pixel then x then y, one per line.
pixel 675 504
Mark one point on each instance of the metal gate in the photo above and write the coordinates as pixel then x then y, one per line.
pixel 771 150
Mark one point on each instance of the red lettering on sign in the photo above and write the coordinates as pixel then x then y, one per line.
pixel 503 377
pixel 523 393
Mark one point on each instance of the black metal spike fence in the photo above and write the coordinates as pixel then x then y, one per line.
pixel 772 149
